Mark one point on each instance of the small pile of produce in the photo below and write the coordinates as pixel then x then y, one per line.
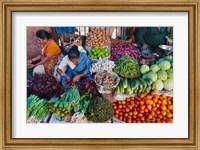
pixel 84 102
pixel 97 37
pixel 161 74
pixel 102 65
pixel 97 53
pixel 106 79
pixel 135 86
pixel 65 105
pixel 99 110
pixel 88 86
pixel 151 108
pixel 121 49
pixel 45 86
pixel 36 108
pixel 127 67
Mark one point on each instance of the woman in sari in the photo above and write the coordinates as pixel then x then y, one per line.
pixel 49 56
pixel 76 65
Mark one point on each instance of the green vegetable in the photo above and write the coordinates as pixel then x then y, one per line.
pixel 125 83
pixel 164 65
pixel 158 85
pixel 127 67
pixel 162 75
pixel 154 68
pixel 99 110
pixel 144 69
pixel 169 58
pixel 170 73
pixel 152 76
pixel 168 84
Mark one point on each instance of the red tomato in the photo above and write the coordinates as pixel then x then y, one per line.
pixel 116 111
pixel 129 120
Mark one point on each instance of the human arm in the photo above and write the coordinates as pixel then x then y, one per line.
pixel 46 59
pixel 140 37
pixel 30 61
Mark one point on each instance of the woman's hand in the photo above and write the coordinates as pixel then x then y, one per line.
pixel 145 46
pixel 76 78
pixel 32 65
pixel 30 61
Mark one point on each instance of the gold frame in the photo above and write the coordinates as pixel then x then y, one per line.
pixel 9 6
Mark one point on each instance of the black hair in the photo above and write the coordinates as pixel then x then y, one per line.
pixel 73 52
pixel 42 34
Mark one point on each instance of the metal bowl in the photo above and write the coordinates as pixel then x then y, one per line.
pixel 166 47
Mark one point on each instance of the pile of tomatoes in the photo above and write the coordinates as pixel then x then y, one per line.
pixel 151 108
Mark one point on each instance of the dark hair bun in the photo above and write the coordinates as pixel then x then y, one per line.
pixel 43 34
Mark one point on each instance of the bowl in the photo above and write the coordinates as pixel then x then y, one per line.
pixel 166 47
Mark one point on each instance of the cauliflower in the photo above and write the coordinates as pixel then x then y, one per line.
pixel 144 69
pixel 162 75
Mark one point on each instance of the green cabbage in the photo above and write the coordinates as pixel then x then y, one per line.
pixel 162 75
pixel 169 58
pixel 144 69
pixel 158 85
pixel 154 68
pixel 152 76
pixel 168 84
pixel 164 65
pixel 170 73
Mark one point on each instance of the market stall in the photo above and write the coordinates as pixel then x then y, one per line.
pixel 126 85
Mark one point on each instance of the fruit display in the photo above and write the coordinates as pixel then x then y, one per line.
pixel 102 65
pixel 45 86
pixel 36 108
pixel 97 37
pixel 151 108
pixel 99 110
pixel 121 49
pixel 127 67
pixel 65 105
pixel 135 86
pixel 97 53
pixel 161 74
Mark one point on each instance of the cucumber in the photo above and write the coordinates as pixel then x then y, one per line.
pixel 117 89
pixel 129 88
pixel 143 82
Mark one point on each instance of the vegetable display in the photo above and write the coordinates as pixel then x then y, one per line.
pixel 97 53
pixel 99 110
pixel 135 86
pixel 127 67
pixel 106 79
pixel 161 74
pixel 65 105
pixel 121 49
pixel 97 37
pixel 151 108
pixel 45 86
pixel 102 65
pixel 88 86
pixel 36 107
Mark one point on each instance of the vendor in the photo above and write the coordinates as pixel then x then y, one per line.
pixel 149 38
pixel 76 65
pixel 49 54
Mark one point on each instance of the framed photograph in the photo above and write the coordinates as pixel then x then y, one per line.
pixel 56 98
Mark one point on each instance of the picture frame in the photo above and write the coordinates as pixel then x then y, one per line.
pixel 8 7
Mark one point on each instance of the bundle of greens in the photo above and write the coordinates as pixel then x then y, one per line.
pixel 99 110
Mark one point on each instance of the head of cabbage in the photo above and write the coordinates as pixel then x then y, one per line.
pixel 158 85
pixel 154 68
pixel 164 65
pixel 170 73
pixel 169 84
pixel 162 75
pixel 152 76
pixel 144 69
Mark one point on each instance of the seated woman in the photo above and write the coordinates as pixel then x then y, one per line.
pixel 76 65
pixel 49 55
